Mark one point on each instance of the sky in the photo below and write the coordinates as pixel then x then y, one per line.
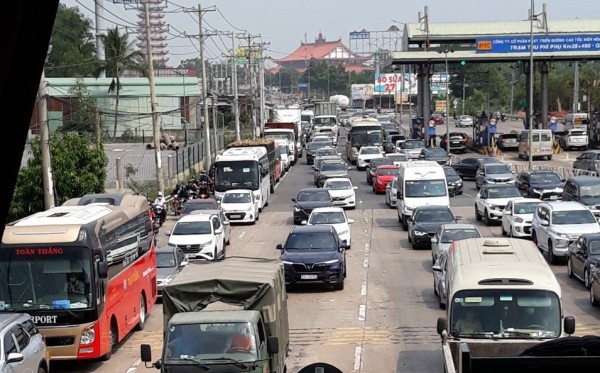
pixel 285 23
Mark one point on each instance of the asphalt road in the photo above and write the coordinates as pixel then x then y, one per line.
pixel 383 321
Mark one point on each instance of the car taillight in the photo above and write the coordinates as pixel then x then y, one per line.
pixel 465 140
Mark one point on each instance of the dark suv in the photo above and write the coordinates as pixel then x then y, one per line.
pixel 314 254
pixel 372 166
pixel 542 184
pixel 307 200
pixel 585 190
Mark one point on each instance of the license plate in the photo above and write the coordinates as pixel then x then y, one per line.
pixel 236 216
pixel 308 277
pixel 553 197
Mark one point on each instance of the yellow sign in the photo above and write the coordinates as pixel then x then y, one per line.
pixel 440 105
pixel 242 52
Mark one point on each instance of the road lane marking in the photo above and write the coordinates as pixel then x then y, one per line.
pixel 242 234
pixel 133 367
pixel 362 312
pixel 363 289
pixel 358 351
pixel 468 195
pixel 366 262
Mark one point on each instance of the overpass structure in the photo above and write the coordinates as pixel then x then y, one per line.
pixel 426 44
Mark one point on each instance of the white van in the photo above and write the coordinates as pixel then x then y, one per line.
pixel 420 183
pixel 501 288
pixel 542 144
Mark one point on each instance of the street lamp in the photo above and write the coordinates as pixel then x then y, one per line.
pixel 531 82
pixel 446 51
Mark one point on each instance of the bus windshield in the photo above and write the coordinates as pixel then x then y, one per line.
pixel 236 175
pixel 505 313
pixel 45 278
pixel 366 138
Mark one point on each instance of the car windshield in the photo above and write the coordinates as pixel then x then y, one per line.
pixel 503 193
pixel 589 191
pixel 327 151
pixel 425 188
pixel 505 313
pixel 370 151
pixel 434 216
pixel 436 152
pixel 316 145
pixel 525 207
pixel 545 178
pixel 397 158
pixel 237 198
pixel 333 167
pixel 497 169
pixel 193 206
pixel 165 260
pixel 380 161
pixel 577 133
pixel 449 171
pixel 487 160
pixel 573 217
pixel 191 227
pixel 387 171
pixel 330 217
pixel 414 144
pixel 509 137
pixel 451 235
pixel 313 196
pixel 311 241
pixel 338 184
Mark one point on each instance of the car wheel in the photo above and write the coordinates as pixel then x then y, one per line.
pixel 340 284
pixel 593 299
pixel 409 238
pixel 549 157
pixel 534 239
pixel 486 218
pixel 477 214
pixel 442 305
pixel 435 289
pixel 224 252
pixel 552 259
pixel 404 223
pixel 41 369
pixel 587 280
pixel 570 268
pixel 502 230
pixel 510 232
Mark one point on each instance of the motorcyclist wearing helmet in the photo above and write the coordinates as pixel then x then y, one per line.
pixel 160 199
pixel 204 177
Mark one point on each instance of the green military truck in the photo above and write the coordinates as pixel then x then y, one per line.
pixel 229 316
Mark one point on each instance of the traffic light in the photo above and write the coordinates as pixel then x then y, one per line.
pixel 463 63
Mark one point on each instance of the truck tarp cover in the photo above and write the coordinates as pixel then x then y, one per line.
pixel 250 283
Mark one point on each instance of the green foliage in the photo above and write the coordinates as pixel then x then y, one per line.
pixel 72 47
pixel 77 168
pixel 83 115
pixel 127 135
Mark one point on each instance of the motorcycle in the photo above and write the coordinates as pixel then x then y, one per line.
pixel 204 190
pixel 160 213
pixel 154 220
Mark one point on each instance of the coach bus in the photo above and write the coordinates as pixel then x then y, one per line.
pixel 244 168
pixel 85 272
pixel 363 132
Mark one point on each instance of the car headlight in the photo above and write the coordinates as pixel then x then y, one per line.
pixel 419 233
pixel 343 232
pixel 250 208
pixel 333 261
pixel 286 262
pixel 88 335
pixel 296 209
pixel 558 234
pixel 538 191
pixel 561 242
pixel 518 220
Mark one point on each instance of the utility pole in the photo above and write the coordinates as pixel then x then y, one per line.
pixel 249 38
pixel 201 37
pixel 99 13
pixel 464 94
pixel 576 86
pixel 261 82
pixel 213 101
pixel 234 86
pixel 45 144
pixel 98 129
pixel 155 124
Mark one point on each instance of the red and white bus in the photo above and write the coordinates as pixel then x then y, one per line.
pixel 85 271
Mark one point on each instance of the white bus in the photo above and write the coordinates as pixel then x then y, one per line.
pixel 502 288
pixel 244 168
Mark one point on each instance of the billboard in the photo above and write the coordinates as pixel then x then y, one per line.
pixel 438 83
pixel 362 91
pixel 541 43
pixel 242 55
pixel 388 84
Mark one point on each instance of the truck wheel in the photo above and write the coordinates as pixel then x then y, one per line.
pixel 143 314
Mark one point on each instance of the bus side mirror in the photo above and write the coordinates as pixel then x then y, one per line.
pixel 102 268
pixel 146 353
pixel 272 345
pixel 569 325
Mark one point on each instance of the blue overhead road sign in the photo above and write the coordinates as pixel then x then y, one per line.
pixel 541 43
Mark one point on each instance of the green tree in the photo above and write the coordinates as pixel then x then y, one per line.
pixel 72 46
pixel 78 169
pixel 83 114
pixel 120 56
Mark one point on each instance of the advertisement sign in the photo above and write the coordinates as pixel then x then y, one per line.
pixel 541 43
pixel 242 55
pixel 362 91
pixel 440 105
pixel 388 84
pixel 438 84
pixel 358 35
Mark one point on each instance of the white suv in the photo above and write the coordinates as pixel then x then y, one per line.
pixel 492 199
pixel 365 155
pixel 200 236
pixel 23 347
pixel 556 225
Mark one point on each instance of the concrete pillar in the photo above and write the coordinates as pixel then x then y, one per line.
pixel 544 68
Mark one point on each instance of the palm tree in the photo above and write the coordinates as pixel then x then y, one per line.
pixel 119 56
